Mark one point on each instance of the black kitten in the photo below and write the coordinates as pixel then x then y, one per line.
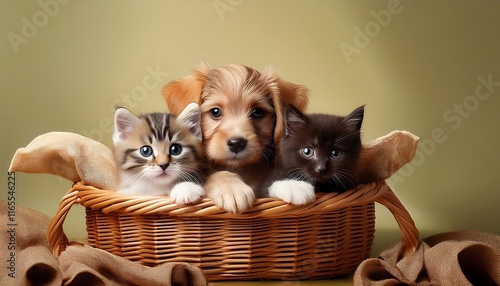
pixel 319 153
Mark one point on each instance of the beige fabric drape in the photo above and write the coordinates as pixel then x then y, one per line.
pixel 454 258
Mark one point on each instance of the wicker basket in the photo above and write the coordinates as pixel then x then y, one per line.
pixel 272 240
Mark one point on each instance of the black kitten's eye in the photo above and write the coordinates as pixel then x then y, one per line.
pixel 146 151
pixel 257 113
pixel 216 112
pixel 336 154
pixel 307 152
pixel 175 149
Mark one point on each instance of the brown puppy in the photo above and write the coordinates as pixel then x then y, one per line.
pixel 242 120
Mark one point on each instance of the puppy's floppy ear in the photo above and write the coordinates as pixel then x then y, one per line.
pixel 272 77
pixel 179 93
pixel 293 94
pixel 288 94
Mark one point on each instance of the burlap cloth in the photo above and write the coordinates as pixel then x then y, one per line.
pixel 454 258
pixel 79 264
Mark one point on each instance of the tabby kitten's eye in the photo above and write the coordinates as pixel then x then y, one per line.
pixel 307 152
pixel 336 154
pixel 216 112
pixel 257 113
pixel 146 151
pixel 175 149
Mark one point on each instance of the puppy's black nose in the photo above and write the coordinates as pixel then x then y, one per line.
pixel 237 144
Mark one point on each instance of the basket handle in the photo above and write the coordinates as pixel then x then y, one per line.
pixel 56 237
pixel 409 231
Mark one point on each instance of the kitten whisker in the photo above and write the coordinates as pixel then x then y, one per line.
pixel 196 177
pixel 268 154
pixel 345 180
pixel 296 174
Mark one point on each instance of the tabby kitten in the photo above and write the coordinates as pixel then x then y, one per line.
pixel 160 154
pixel 319 153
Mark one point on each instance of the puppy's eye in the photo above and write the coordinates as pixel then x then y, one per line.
pixel 257 113
pixel 146 151
pixel 216 112
pixel 336 153
pixel 307 152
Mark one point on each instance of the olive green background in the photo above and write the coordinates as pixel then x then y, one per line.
pixel 419 66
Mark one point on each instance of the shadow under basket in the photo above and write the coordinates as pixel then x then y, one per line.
pixel 272 240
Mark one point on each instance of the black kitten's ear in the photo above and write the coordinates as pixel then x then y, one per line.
pixel 293 119
pixel 355 119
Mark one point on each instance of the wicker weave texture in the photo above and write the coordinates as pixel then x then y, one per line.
pixel 312 246
pixel 272 240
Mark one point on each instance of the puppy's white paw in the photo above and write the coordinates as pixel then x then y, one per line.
pixel 186 193
pixel 293 192
pixel 229 192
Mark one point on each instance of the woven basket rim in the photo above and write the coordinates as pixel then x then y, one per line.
pixel 110 201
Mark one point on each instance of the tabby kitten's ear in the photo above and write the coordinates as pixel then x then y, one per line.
pixel 355 119
pixel 191 117
pixel 125 122
pixel 293 119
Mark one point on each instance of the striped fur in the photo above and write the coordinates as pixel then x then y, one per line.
pixel 158 153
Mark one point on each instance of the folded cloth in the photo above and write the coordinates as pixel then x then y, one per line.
pixel 454 258
pixel 80 264
pixel 68 155
pixel 383 156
